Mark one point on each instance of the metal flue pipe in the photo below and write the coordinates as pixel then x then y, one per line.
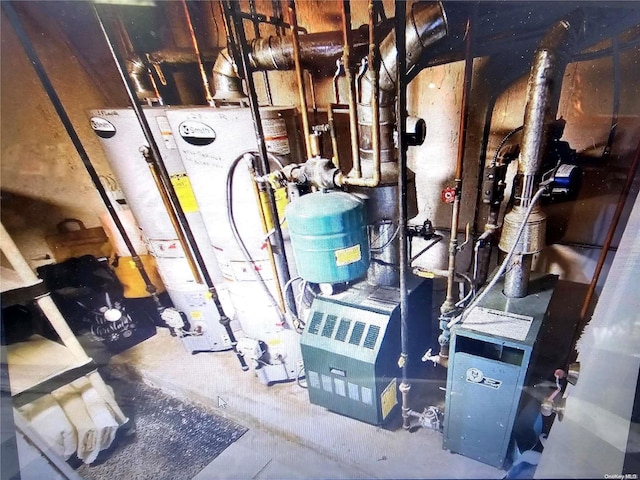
pixel 543 95
pixel 425 26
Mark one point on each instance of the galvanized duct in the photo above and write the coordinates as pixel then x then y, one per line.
pixel 316 49
pixel 226 82
pixel 276 53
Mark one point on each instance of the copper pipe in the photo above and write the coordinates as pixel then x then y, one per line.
pixel 334 137
pixel 374 180
pixel 265 228
pixel 622 199
pixel 166 201
pixel 300 77
pixel 314 104
pixel 196 49
pixel 449 303
pixel 348 68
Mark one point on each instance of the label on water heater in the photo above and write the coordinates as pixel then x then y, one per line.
pixel 196 133
pixel 166 248
pixel 275 136
pixel 182 186
pixel 167 134
pixel 102 127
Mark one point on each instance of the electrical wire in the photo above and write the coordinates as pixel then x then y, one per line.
pixel 505 262
pixel 388 242
pixel 494 161
pixel 298 377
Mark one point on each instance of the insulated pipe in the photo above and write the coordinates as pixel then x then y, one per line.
pixel 543 95
pixel 231 9
pixel 71 131
pixel 166 181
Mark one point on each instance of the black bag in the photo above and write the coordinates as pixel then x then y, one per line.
pixel 91 299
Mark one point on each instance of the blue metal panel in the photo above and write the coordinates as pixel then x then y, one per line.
pixel 491 355
pixel 482 408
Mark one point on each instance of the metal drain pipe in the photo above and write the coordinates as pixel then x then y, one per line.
pixel 403 361
pixel 73 135
pixel 156 159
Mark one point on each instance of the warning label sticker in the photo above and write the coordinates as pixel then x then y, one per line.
pixel 182 186
pixel 389 398
pixel 499 323
pixel 346 256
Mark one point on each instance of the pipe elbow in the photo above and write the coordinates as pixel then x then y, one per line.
pixel 226 81
pixel 564 34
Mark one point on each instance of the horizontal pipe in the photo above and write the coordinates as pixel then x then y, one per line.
pixel 316 49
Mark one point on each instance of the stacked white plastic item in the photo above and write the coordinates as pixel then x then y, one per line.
pixel 122 137
pixel 209 141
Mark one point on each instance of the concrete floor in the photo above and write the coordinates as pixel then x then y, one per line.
pixel 288 437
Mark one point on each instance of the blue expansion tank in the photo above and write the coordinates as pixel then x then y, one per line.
pixel 329 236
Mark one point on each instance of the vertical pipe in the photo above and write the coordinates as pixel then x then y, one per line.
pixel 257 191
pixel 374 62
pixel 66 122
pixel 166 201
pixel 196 49
pixel 166 181
pixel 300 77
pixel 334 136
pixel 314 104
pixel 348 68
pixel 283 266
pixel 400 27
pixel 256 31
pixel 449 303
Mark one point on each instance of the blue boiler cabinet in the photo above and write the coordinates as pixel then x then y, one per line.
pixel 493 356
